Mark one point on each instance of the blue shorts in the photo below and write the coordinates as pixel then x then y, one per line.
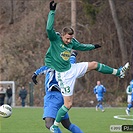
pixel 99 99
pixel 53 101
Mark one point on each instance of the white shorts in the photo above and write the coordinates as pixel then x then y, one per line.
pixel 66 80
pixel 129 98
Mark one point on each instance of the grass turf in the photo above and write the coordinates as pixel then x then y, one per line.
pixel 29 120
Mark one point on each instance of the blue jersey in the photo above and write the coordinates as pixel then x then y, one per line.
pixel 50 79
pixel 99 90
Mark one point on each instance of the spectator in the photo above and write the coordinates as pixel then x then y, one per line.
pixel 9 95
pixel 2 95
pixel 23 95
pixel 129 93
pixel 99 90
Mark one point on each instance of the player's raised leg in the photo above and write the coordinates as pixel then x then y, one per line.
pixel 120 72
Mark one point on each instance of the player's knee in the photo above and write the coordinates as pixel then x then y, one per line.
pixel 92 65
pixel 68 102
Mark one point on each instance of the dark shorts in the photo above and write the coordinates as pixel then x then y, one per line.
pixel 52 103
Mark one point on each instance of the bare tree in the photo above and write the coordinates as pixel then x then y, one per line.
pixel 11 21
pixel 123 48
pixel 73 15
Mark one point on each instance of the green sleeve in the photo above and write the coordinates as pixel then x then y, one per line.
pixel 82 47
pixel 50 22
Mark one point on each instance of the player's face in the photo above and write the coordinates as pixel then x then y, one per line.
pixel 67 38
pixel 98 83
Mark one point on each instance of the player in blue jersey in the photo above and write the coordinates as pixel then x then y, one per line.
pixel 53 99
pixel 130 105
pixel 129 93
pixel 99 90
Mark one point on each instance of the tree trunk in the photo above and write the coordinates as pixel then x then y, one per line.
pixel 73 15
pixel 11 21
pixel 123 49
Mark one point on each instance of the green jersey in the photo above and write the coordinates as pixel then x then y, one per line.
pixel 58 54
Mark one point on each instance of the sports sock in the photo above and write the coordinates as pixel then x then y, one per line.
pixel 107 70
pixel 74 129
pixel 59 131
pixel 129 106
pixel 98 105
pixel 101 107
pixel 60 114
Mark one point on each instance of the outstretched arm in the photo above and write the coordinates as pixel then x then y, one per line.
pixel 84 47
pixel 50 22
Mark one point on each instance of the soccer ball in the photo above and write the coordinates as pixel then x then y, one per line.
pixel 5 111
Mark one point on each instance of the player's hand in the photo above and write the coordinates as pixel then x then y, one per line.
pixel 97 46
pixel 52 5
pixel 74 53
pixel 34 76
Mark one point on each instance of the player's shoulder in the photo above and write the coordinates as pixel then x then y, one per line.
pixel 74 40
pixel 58 33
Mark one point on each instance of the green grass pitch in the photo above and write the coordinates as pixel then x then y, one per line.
pixel 29 120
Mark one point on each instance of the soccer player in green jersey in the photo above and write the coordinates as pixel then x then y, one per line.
pixel 57 58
